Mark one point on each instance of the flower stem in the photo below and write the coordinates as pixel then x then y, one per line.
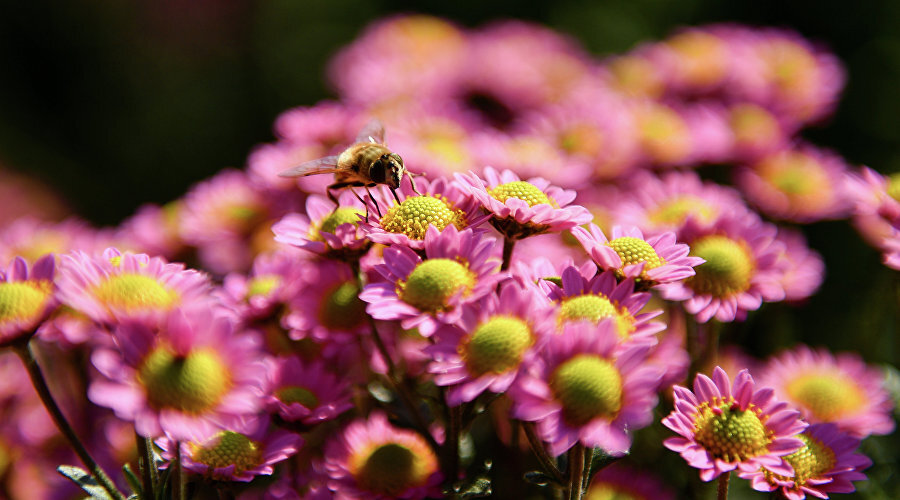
pixel 149 472
pixel 576 471
pixel 508 244
pixel 23 350
pixel 178 479
pixel 722 486
pixel 537 447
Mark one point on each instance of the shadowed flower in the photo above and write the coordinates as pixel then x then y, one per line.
pixel 329 309
pixel 275 280
pixel 724 426
pixel 326 230
pixel 827 463
pixel 373 459
pixel 26 298
pixel 827 388
pixel 587 390
pixel 617 482
pixel 306 392
pixel 876 203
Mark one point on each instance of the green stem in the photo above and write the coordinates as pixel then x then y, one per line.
pixel 508 245
pixel 548 463
pixel 588 463
pixel 576 471
pixel 23 350
pixel 451 456
pixel 722 486
pixel 178 492
pixel 149 472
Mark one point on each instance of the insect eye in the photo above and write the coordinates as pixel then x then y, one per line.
pixel 376 172
pixel 397 159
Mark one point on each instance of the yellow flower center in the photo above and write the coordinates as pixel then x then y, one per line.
pixel 433 282
pixel 728 267
pixel 800 177
pixel 732 435
pixel 582 139
pixel 664 134
pixel 594 307
pixel 497 345
pixel 22 301
pixel 634 251
pixel 131 292
pixel 341 215
pixel 602 491
pixel 229 448
pixel 392 468
pixel 826 396
pixel 413 216
pixel 702 57
pixel 809 462
pixel 675 211
pixel 752 124
pixel 296 394
pixel 341 307
pixel 193 384
pixel 262 285
pixel 525 191
pixel 588 387
pixel 635 76
pixel 893 186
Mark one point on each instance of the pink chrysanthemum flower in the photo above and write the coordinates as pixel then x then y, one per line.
pixel 238 452
pixel 741 269
pixel 442 204
pixel 619 482
pixel 827 463
pixel 329 308
pixel 437 141
pixel 328 124
pixel 664 134
pixel 529 155
pixel 32 239
pixel 26 298
pixel 307 393
pixel 756 131
pixel 724 426
pixel 651 261
pixel 586 390
pixel 326 230
pixel 275 280
pixel 876 202
pixel 800 185
pixel 489 345
pixel 117 287
pixel 802 268
pixel 184 379
pixel 267 161
pixel 460 267
pixel 694 61
pixel 541 267
pixel 660 204
pixel 839 389
pixel 373 459
pixel 519 209
pixel 601 297
pixel 154 230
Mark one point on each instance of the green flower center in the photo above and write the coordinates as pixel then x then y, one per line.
pixel 413 216
pixel 732 434
pixel 600 491
pixel 21 301
pixel 728 267
pixel 296 394
pixel 594 307
pixel 588 387
pixel 341 215
pixel 676 211
pixel 392 469
pixel 193 384
pixel 341 307
pixel 634 251
pixel 583 138
pixel 826 396
pixel 497 345
pixel 262 285
pixel 229 448
pixel 796 174
pixel 132 292
pixel 810 461
pixel 522 190
pixel 433 282
pixel 751 123
pixel 893 186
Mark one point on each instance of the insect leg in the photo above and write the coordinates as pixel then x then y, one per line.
pixel 394 192
pixel 377 209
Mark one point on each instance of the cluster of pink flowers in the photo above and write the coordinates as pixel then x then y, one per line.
pixel 562 265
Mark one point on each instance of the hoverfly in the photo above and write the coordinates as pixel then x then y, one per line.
pixel 366 163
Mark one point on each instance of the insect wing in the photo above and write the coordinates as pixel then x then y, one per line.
pixel 327 165
pixel 372 132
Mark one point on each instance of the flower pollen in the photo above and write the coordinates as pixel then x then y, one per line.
pixel 522 190
pixel 262 285
pixel 677 210
pixel 432 283
pixel 229 448
pixel 728 267
pixel 729 433
pixel 193 383
pixel 340 215
pixel 828 397
pixel 588 387
pixel 497 345
pixel 594 307
pixel 809 462
pixel 131 292
pixel 413 216
pixel 21 301
pixel 634 251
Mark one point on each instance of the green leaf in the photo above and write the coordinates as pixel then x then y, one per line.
pixel 84 481
pixel 133 480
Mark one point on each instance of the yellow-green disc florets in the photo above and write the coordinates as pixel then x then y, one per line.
pixel 341 307
pixel 525 191
pixel 296 394
pixel 676 211
pixel 588 387
pixel 634 251
pixel 21 301
pixel 827 397
pixel 497 345
pixel 893 186
pixel 728 267
pixel 594 307
pixel 229 448
pixel 262 285
pixel 391 469
pixel 732 434
pixel 432 283
pixel 413 216
pixel 329 223
pixel 193 384
pixel 809 462
pixel 133 292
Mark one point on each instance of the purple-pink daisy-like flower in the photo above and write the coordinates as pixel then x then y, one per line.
pixel 328 124
pixel 187 378
pixel 275 280
pixel 306 392
pixel 154 230
pixel 460 267
pixel 618 481
pixel 723 426
pixel 241 451
pixel 519 209
pixel 120 286
pixel 741 269
pixel 26 298
pixel 373 459
pixel 756 131
pixel 329 309
pixel 542 267
pixel 586 390
pixel 839 389
pixel 600 297
pixel 803 184
pixel 802 268
pixel 489 345
pixel 827 463
pixel 529 155
pixel 442 204
pixel 651 261
pixel 32 239
pixel 326 230
pixel 876 203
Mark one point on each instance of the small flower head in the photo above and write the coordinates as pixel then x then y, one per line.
pixel 802 268
pixel 827 463
pixel 330 309
pixel 616 482
pixel 276 278
pixel 519 209
pixel 326 230
pixel 373 459
pixel 649 261
pixel 307 393
pixel 724 426
pixel 587 390
pixel 838 389
pixel 26 298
